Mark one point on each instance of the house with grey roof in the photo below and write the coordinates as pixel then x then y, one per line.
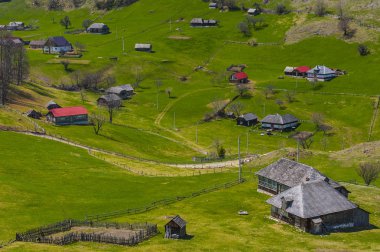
pixel 52 105
pixel 289 70
pixel 316 207
pixel 108 99
pixel 285 174
pixel 143 47
pixel 57 44
pixel 123 91
pixel 280 122
pixel 321 73
pixel 212 5
pixel 98 28
pixel 253 12
pixel 37 44
pixel 200 22
pixel 16 25
pixel 175 228
pixel 248 119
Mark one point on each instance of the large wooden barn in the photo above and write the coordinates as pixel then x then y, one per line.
pixel 248 119
pixel 68 116
pixel 285 174
pixel 123 91
pixel 175 228
pixel 316 207
pixel 279 122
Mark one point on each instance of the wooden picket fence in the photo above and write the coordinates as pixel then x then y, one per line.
pixel 142 231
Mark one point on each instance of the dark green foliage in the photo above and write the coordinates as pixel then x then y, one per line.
pixel 363 50
pixel 110 4
pixel 65 22
pixel 281 9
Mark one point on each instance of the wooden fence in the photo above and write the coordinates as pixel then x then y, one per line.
pixel 163 202
pixel 142 231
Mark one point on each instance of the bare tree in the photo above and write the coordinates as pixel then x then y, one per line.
pixel 344 26
pixel 320 8
pixel 97 120
pixel 110 80
pixel 318 120
pixel 218 107
pixel 369 172
pixel 340 9
pixel 86 23
pixel 242 89
pixel 290 95
pixel 65 22
pixel 325 128
pixel 65 64
pixel 137 72
pixel 80 47
pixel 244 28
pixel 236 108
pixel 83 95
pixel 304 138
pixel 280 103
pixel 112 107
pixel 268 91
pixel 168 91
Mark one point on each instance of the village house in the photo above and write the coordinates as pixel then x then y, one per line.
pixel 253 12
pixel 123 91
pixel 239 77
pixel 98 28
pixel 52 105
pixel 14 26
pixel 321 73
pixel 248 119
pixel 200 22
pixel 175 228
pixel 143 47
pixel 68 116
pixel 289 71
pixel 37 44
pixel 279 122
pixel 285 174
pixel 57 45
pixel 301 71
pixel 316 207
pixel 212 5
pixel 106 100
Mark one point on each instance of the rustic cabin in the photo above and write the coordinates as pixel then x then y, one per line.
pixel 200 22
pixel 143 47
pixel 321 73
pixel 37 44
pixel 15 26
pixel 52 105
pixel 285 174
pixel 176 228
pixel 123 91
pixel 316 207
pixel 239 77
pixel 33 114
pixel 280 122
pixel 248 120
pixel 68 116
pixel 108 99
pixel 98 28
pixel 253 12
pixel 230 114
pixel 58 44
pixel 289 71
pixel 301 71
pixel 236 68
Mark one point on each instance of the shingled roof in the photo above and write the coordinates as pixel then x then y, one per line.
pixel 110 97
pixel 279 119
pixel 321 70
pixel 291 173
pixel 249 117
pixel 312 199
pixel 179 221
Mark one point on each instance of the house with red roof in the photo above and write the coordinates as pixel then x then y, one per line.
pixel 68 116
pixel 239 77
pixel 301 71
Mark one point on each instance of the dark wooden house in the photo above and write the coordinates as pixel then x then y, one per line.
pixel 285 174
pixel 289 71
pixel 123 91
pixel 239 77
pixel 109 99
pixel 98 28
pixel 33 114
pixel 280 122
pixel 37 44
pixel 248 119
pixel 176 228
pixel 52 105
pixel 68 116
pixel 316 207
pixel 253 12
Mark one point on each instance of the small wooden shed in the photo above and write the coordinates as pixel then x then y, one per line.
pixel 143 47
pixel 248 119
pixel 33 114
pixel 52 105
pixel 176 228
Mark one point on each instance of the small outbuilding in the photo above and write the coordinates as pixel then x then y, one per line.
pixel 123 91
pixel 289 71
pixel 68 116
pixel 239 77
pixel 279 122
pixel 176 228
pixel 15 26
pixel 98 28
pixel 248 119
pixel 106 100
pixel 200 22
pixel 212 5
pixel 52 105
pixel 253 12
pixel 143 47
pixel 33 114
pixel 236 68
pixel 37 44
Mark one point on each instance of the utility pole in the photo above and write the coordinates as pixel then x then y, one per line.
pixel 157 100
pixel 196 133
pixel 298 151
pixel 174 121
pixel 247 142
pixel 239 159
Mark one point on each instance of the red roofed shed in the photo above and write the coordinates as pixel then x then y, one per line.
pixel 239 77
pixel 301 71
pixel 67 116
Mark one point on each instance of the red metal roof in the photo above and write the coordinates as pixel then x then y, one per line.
pixel 70 111
pixel 241 75
pixel 302 69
